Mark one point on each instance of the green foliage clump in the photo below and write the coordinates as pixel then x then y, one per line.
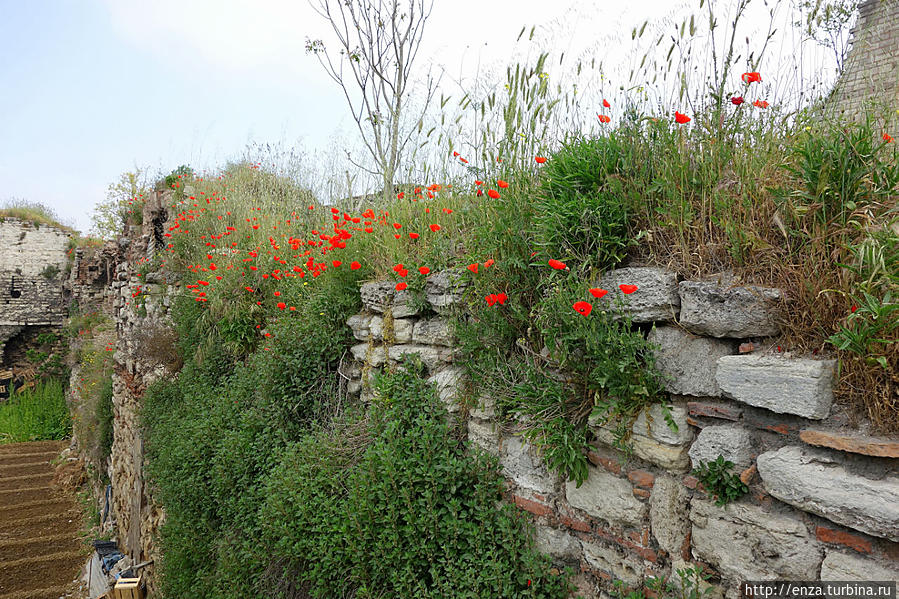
pixel 718 479
pixel 406 514
pixel 38 414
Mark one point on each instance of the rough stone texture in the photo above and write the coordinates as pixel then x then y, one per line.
pixel 486 408
pixel 656 443
pixel 484 435
pixel 708 308
pixel 429 356
pixel 444 290
pixel 813 481
pixel 360 324
pixel 608 497
pixel 689 361
pixel 448 383
pixel 401 329
pixel 520 462
pixel 614 562
pixel 371 355
pixel 435 331
pixel 558 544
pixel 731 441
pixel 852 442
pixel 656 298
pixel 668 506
pixel 845 566
pixel 378 296
pixel 744 542
pixel 787 386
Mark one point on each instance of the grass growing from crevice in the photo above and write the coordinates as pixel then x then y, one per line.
pixel 38 414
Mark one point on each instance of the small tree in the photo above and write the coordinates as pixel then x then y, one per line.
pixel 124 198
pixel 378 40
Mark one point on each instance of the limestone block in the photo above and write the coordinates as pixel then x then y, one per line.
pixel 444 290
pixel 784 385
pixel 607 497
pixel 709 308
pixel 744 542
pixel 688 361
pixel 668 507
pixel 653 441
pixel 520 462
pixel 373 355
pixel 449 382
pixel 614 562
pixel 815 482
pixel 656 298
pixel 428 355
pixel 401 333
pixel 434 331
pixel 378 296
pixel 557 544
pixel 729 440
pixel 846 566
pixel 359 323
pixel 483 434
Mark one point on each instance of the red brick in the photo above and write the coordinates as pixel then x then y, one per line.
pixel 839 537
pixel 611 465
pixel 685 547
pixel 782 429
pixel 641 478
pixel 748 474
pixel 538 509
pixel 691 482
pixel 853 443
pixel 575 524
pixel 713 410
pixel 641 493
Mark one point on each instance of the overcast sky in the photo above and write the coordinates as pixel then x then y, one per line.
pixel 91 88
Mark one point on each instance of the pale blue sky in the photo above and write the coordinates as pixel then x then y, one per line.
pixel 91 88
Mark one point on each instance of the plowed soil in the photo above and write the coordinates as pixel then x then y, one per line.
pixel 40 553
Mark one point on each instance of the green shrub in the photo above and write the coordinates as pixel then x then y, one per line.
pixel 38 414
pixel 408 514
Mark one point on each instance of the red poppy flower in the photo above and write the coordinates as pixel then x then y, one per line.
pixel 540 159
pixel 760 104
pixel 402 272
pixel 853 308
pixel 681 118
pixel 501 184
pixel 463 161
pixel 473 267
pixel 489 263
pixel 424 270
pixel 398 268
pixel 397 226
pixel 401 286
pixel 606 103
pixel 582 307
pixel 282 305
pixel 501 299
pixel 355 265
pixel 887 138
pixel 737 100
pixel 558 265
pixel 369 230
pixel 413 235
pixel 627 289
pixel 435 228
pixel 455 154
pixel 493 194
pixel 603 118
pixel 336 263
pixel 476 182
pixel 491 299
pixel 751 77
pixel 400 195
pixel 598 293
pixel 480 192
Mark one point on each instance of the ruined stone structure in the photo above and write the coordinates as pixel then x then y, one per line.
pixel 870 72
pixel 824 498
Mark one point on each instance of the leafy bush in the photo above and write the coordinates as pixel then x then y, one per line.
pixel 407 514
pixel 717 478
pixel 38 414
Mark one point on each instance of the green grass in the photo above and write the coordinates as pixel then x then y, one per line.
pixel 33 212
pixel 38 414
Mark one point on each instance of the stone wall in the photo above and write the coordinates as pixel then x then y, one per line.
pixel 873 61
pixel 824 498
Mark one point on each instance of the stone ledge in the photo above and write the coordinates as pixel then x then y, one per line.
pixel 656 298
pixel 851 442
pixel 708 308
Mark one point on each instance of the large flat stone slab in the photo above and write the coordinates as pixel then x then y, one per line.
pixel 656 298
pixel 605 496
pixel 731 441
pixel 379 296
pixel 520 462
pixel 709 308
pixel 784 385
pixel 813 481
pixel 852 442
pixel 689 362
pixel 844 566
pixel 744 542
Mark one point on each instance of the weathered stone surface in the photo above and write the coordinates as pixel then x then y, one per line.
pixel 608 497
pixel 378 296
pixel 744 542
pixel 846 566
pixel 520 462
pixel 429 356
pixel 400 329
pixel 359 323
pixel 444 290
pixel 668 506
pixel 731 441
pixel 485 409
pixel 852 442
pixel 654 442
pixel 708 308
pixel 708 409
pixel 815 482
pixel 783 385
pixel 688 361
pixel 483 435
pixel 449 381
pixel 656 298
pixel 373 355
pixel 434 331
pixel 614 562
pixel 557 544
